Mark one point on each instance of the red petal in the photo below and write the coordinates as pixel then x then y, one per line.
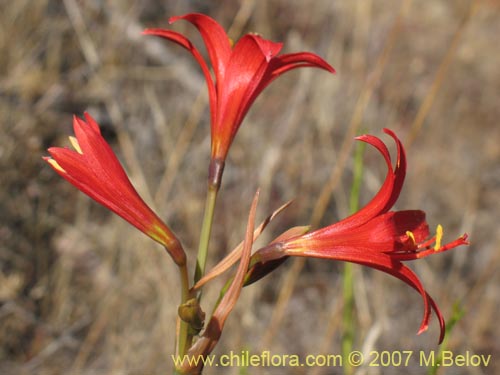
pixel 244 73
pixel 286 62
pixel 98 173
pixel 399 171
pixel 215 39
pixel 268 48
pixel 109 192
pixel 381 262
pixel 385 233
pixel 186 43
pixel 80 175
pixel 96 151
pixel 442 324
pixel 92 122
pixel 390 190
pixel 387 193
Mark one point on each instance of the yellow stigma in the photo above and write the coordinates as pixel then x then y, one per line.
pixel 439 237
pixel 411 236
pixel 75 144
pixel 231 42
pixel 56 165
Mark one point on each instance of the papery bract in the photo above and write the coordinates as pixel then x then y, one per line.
pixel 241 73
pixel 374 236
pixel 94 169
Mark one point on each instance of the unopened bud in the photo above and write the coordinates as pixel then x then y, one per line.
pixel 191 313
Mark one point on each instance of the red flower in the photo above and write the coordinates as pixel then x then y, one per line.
pixel 374 236
pixel 241 73
pixel 94 169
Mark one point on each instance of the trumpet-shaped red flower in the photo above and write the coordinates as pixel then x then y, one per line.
pixel 374 236
pixel 94 169
pixel 241 73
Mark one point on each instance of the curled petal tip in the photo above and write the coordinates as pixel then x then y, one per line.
pixel 424 327
pixel 172 19
pixel 269 49
pixel 329 68
pixel 441 338
pixel 360 137
pixel 155 31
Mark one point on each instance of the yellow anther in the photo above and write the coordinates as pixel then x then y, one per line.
pixel 439 237
pixel 56 165
pixel 411 236
pixel 231 42
pixel 75 144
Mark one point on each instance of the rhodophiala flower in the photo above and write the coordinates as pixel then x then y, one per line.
pixel 373 236
pixel 94 169
pixel 241 72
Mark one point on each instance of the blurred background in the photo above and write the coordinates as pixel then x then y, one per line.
pixel 82 292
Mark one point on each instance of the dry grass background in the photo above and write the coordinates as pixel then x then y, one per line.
pixel 83 293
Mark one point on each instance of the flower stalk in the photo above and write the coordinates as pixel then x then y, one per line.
pixel 206 230
pixel 184 339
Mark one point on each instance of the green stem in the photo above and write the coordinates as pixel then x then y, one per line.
pixel 206 230
pixel 348 285
pixel 216 168
pixel 214 180
pixel 184 339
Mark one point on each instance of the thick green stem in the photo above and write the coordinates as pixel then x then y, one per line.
pixel 184 340
pixel 214 180
pixel 206 230
pixel 348 286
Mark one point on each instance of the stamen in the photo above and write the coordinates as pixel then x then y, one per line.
pixel 439 237
pixel 75 144
pixel 411 236
pixel 56 165
pixel 426 244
